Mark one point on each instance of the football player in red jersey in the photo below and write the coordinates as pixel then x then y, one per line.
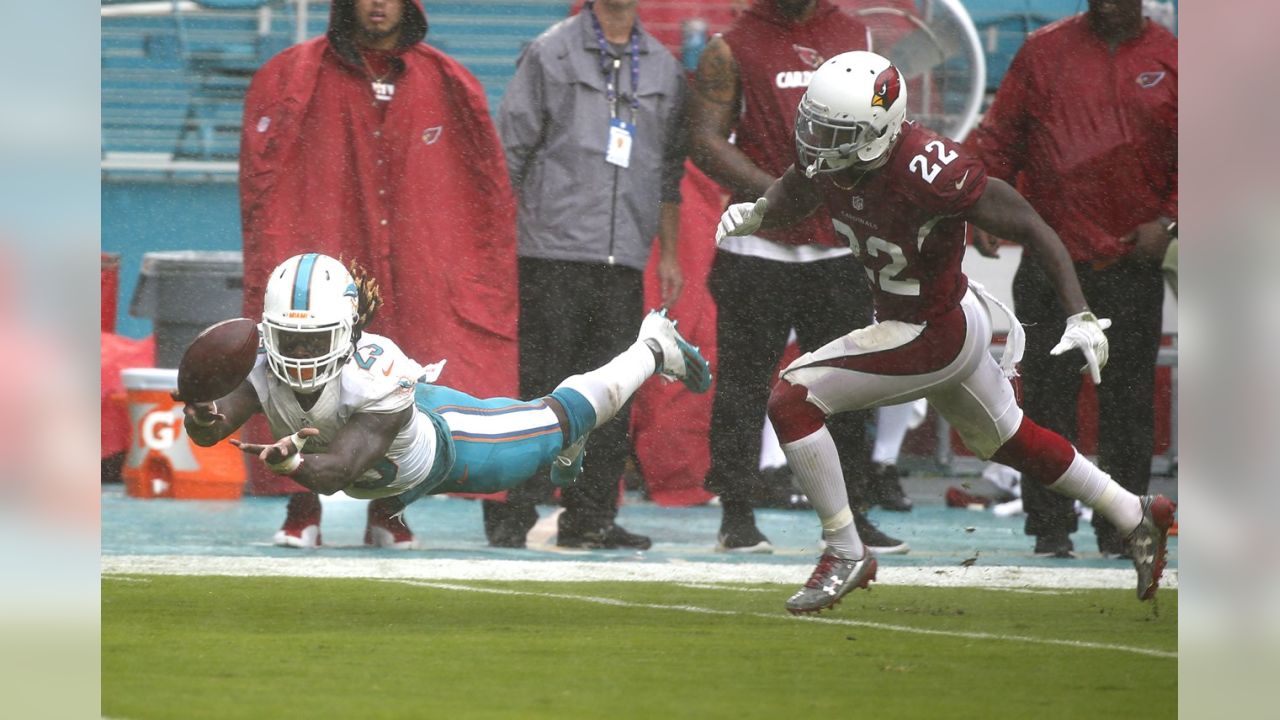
pixel 901 195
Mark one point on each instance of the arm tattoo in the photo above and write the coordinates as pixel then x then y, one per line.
pixel 717 78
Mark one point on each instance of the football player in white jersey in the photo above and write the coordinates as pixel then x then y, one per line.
pixel 351 412
pixel 901 195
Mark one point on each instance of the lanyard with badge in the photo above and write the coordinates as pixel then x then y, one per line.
pixel 621 133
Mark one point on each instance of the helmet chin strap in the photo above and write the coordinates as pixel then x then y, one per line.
pixel 812 168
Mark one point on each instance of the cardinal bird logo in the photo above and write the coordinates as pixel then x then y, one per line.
pixel 1148 80
pixel 809 56
pixel 888 85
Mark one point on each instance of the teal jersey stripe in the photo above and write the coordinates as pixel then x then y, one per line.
pixel 302 283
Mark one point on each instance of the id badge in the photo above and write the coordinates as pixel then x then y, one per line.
pixel 618 152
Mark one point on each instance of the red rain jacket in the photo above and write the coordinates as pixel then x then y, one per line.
pixel 1093 134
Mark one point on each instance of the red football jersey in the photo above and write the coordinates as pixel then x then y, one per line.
pixel 902 223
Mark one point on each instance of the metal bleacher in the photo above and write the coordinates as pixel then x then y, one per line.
pixel 174 72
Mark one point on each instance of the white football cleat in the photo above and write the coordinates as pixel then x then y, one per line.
pixel 680 360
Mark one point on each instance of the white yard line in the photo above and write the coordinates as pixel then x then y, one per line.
pixel 738 573
pixel 1029 591
pixel 731 588
pixel 781 616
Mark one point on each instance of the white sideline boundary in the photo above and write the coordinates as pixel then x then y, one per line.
pixel 583 571
pixel 966 635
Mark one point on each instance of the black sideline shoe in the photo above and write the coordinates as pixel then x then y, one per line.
pixel 1055 546
pixel 885 489
pixel 742 538
pixel 613 537
pixel 877 542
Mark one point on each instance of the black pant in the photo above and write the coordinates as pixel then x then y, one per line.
pixel 758 303
pixel 574 317
pixel 1131 294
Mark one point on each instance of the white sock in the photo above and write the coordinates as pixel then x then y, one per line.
pixel 816 466
pixel 1086 482
pixel 892 423
pixel 609 387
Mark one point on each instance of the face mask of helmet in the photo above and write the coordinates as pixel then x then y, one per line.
pixel 823 146
pixel 308 316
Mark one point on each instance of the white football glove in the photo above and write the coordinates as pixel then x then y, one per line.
pixel 741 219
pixel 1084 331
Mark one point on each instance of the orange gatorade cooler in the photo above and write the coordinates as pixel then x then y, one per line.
pixel 162 461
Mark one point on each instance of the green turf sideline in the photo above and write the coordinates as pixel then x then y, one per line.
pixel 779 616
pixel 613 571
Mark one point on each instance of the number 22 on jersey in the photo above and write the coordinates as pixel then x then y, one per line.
pixel 928 170
pixel 888 278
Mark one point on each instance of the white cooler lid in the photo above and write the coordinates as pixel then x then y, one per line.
pixel 150 378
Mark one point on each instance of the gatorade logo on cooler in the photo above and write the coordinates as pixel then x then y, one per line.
pixel 160 431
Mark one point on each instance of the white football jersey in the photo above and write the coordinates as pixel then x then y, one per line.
pixel 377 378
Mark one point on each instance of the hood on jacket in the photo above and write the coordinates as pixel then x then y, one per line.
pixel 342 28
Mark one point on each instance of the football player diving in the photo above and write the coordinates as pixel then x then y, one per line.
pixel 351 412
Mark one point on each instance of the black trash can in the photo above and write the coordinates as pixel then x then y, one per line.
pixel 184 292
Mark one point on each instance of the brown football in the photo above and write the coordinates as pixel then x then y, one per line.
pixel 218 360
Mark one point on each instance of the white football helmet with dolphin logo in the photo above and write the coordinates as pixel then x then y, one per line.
pixel 308 316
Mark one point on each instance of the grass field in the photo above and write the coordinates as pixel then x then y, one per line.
pixel 278 647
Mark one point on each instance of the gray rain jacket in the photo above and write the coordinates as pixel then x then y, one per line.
pixel 554 123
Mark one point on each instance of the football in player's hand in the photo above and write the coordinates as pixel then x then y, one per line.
pixel 218 360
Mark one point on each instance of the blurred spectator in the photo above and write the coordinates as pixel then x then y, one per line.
pixel 748 83
pixel 592 126
pixel 1095 151
pixel 368 144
